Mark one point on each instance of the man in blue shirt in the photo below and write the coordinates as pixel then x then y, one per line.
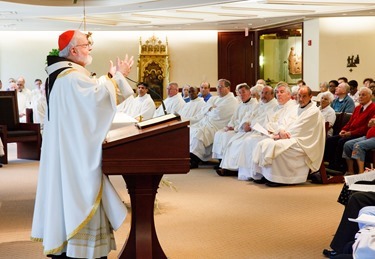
pixel 343 102
pixel 205 91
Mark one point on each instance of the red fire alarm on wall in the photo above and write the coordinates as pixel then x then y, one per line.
pixel 309 43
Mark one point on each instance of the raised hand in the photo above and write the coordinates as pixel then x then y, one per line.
pixel 124 66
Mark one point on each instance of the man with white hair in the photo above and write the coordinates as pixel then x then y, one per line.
pixel 214 116
pixel 287 156
pixel 261 82
pixel 232 152
pixel 76 207
pixel 356 127
pixel 173 103
pixel 24 98
pixel 343 102
pixel 281 117
pixel 223 136
pixel 256 91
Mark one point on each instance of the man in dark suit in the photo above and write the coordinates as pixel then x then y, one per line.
pixel 345 233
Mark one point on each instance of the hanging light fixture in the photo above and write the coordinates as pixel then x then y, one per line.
pixel 88 34
pixel 84 15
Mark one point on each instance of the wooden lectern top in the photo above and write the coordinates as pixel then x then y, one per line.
pixel 158 149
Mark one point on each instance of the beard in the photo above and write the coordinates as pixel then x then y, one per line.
pixel 85 60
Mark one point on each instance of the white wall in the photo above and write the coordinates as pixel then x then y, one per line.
pixel 193 54
pixel 311 58
pixel 343 37
pixel 333 40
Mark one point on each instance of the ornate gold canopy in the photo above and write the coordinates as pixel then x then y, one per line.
pixel 153 65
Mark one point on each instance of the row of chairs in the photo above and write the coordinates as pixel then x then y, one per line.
pixel 341 119
pixel 26 135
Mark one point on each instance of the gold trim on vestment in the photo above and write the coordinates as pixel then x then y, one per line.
pixel 80 226
pixel 117 89
pixel 65 72
pixel 91 214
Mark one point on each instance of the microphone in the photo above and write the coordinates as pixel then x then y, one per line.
pixel 154 92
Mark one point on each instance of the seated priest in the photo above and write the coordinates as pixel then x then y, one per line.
pixel 287 157
pixel 141 107
pixel 173 103
pixel 280 117
pixel 214 116
pixel 234 148
pixel 223 136
pixel 194 106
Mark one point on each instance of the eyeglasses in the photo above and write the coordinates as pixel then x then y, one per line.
pixel 87 45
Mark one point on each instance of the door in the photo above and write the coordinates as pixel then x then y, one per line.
pixel 236 58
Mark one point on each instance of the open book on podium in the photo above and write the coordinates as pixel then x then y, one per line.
pixel 157 120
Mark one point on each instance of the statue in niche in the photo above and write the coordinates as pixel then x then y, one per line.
pixel 294 63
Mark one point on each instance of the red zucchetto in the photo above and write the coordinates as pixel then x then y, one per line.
pixel 65 38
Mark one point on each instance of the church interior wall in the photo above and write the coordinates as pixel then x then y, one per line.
pixel 344 37
pixel 192 54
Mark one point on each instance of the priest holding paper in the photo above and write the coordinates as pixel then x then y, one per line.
pixel 236 144
pixel 280 117
pixel 287 157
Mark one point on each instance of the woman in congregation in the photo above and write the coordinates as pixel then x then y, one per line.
pixel 328 112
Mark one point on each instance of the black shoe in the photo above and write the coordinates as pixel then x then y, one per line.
pixel 230 172
pixel 1 165
pixel 260 181
pixel 329 253
pixel 193 165
pixel 315 178
pixel 194 161
pixel 273 184
pixel 217 167
pixel 220 172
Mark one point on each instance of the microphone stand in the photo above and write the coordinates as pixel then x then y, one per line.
pixel 162 102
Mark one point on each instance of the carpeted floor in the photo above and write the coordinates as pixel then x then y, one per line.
pixel 207 217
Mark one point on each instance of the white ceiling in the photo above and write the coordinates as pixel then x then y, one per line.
pixel 128 15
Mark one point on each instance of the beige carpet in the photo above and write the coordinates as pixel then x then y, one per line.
pixel 207 217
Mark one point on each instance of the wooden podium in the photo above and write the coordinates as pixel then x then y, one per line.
pixel 142 156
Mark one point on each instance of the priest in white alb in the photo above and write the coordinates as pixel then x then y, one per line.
pixel 287 156
pixel 194 106
pixel 173 103
pixel 223 136
pixel 214 116
pixel 142 107
pixel 231 155
pixel 279 118
pixel 76 207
